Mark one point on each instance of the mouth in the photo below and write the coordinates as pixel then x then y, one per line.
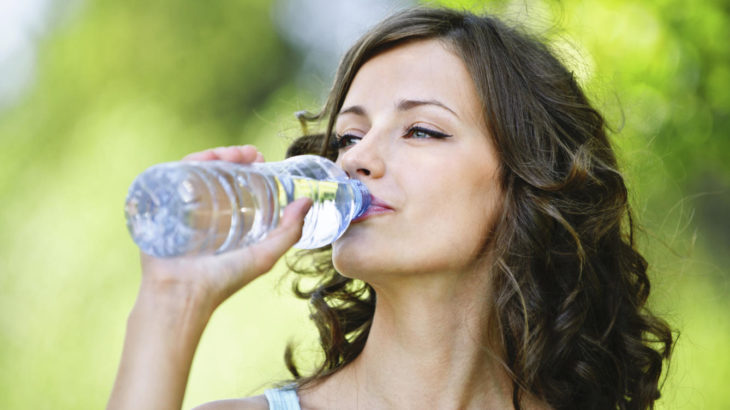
pixel 377 207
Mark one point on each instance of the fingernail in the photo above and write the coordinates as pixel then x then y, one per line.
pixel 219 151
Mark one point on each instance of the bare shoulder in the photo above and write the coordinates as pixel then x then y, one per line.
pixel 249 403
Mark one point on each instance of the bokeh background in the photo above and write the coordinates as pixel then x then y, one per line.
pixel 94 91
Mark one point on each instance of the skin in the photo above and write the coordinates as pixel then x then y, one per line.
pixel 419 250
pixel 176 299
pixel 442 190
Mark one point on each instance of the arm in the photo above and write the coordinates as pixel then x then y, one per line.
pixel 163 331
pixel 177 297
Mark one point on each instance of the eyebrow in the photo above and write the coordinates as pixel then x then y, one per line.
pixel 403 105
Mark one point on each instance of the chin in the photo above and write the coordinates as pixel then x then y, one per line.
pixel 353 262
pixel 350 265
pixel 371 267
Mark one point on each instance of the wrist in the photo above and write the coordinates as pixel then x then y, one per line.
pixel 173 291
pixel 174 306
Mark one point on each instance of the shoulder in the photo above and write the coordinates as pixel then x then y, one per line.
pixel 249 403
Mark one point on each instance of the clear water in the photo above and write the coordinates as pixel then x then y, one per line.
pixel 190 208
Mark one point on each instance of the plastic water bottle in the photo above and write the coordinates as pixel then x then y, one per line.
pixel 188 208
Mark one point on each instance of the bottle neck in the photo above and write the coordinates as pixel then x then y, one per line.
pixel 362 196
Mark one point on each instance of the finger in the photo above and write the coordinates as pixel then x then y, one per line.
pixel 241 154
pixel 260 157
pixel 249 153
pixel 268 251
pixel 293 217
pixel 207 155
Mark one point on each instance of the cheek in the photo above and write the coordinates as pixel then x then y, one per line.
pixel 461 230
pixel 468 212
pixel 454 223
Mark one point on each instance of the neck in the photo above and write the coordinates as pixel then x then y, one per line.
pixel 427 348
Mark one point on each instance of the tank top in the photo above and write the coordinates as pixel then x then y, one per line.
pixel 284 398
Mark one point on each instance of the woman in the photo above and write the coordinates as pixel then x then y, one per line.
pixel 495 269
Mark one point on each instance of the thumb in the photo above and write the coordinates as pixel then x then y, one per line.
pixel 268 251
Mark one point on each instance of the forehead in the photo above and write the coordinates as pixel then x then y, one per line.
pixel 424 70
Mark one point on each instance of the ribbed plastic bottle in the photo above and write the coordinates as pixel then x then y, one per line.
pixel 191 208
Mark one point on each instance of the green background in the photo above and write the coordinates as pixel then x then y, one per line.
pixel 121 85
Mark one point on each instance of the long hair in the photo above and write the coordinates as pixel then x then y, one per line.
pixel 569 287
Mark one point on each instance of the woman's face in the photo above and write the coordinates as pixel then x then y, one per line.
pixel 411 128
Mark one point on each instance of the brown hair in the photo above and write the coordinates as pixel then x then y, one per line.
pixel 569 286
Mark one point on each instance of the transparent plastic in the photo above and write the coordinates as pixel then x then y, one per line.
pixel 189 208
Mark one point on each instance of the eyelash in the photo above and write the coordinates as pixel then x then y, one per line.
pixel 431 133
pixel 345 140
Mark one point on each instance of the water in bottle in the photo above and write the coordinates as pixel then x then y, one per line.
pixel 186 208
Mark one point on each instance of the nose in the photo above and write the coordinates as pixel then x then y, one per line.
pixel 364 159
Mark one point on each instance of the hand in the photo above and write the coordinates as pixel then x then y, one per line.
pixel 216 277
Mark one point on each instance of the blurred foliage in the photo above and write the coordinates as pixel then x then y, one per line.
pixel 123 85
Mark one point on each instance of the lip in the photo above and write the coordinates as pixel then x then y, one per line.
pixel 377 207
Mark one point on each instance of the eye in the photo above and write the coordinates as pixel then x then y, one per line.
pixel 346 140
pixel 419 132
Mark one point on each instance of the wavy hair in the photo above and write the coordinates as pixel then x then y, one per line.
pixel 569 287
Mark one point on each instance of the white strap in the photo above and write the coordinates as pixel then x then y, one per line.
pixel 282 399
